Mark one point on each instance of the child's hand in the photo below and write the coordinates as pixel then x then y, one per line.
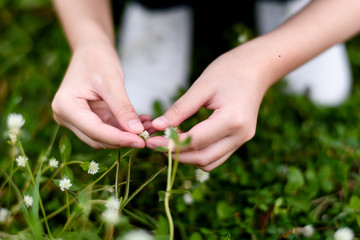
pixel 230 86
pixel 92 101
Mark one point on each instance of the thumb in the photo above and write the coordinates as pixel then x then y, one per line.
pixel 119 103
pixel 182 109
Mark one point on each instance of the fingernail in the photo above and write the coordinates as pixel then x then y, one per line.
pixel 136 145
pixel 135 125
pixel 159 121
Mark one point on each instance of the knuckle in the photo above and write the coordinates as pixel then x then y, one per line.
pixel 195 144
pixel 237 123
pixel 126 108
pixel 176 110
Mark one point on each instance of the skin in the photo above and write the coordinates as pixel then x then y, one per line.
pixel 233 85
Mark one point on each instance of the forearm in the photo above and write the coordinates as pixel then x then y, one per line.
pixel 322 24
pixel 86 22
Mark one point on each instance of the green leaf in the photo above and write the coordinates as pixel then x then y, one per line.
pixel 85 165
pixel 196 236
pixel 295 180
pixel 161 196
pixel 358 220
pixel 161 149
pixel 355 202
pixel 65 148
pixel 68 173
pixel 186 142
pixel 162 230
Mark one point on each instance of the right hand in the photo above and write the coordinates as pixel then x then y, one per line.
pixel 92 101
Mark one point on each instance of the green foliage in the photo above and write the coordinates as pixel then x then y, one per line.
pixel 302 166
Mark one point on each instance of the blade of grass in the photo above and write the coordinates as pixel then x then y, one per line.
pixel 142 187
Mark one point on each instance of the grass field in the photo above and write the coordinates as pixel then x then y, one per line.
pixel 300 169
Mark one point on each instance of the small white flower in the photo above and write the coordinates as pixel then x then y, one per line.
pixel 14 122
pixel 201 175
pixel 344 233
pixel 4 214
pixel 65 183
pixel 53 163
pixel 144 135
pixel 21 161
pixel 137 234
pixel 111 216
pixel 242 38
pixel 112 203
pixel 28 200
pixel 188 198
pixel 93 167
pixel 308 230
pixel 167 132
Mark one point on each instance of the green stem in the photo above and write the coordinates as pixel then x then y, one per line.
pixel 67 223
pixel 117 180
pixel 176 164
pixel 167 197
pixel 67 204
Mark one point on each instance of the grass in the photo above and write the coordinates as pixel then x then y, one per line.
pixel 301 168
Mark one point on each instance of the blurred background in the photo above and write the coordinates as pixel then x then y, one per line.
pixel 302 167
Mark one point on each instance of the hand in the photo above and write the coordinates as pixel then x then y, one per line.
pixel 92 101
pixel 232 87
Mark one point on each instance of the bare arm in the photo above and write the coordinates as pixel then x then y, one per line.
pixel 92 101
pixel 234 84
pixel 86 21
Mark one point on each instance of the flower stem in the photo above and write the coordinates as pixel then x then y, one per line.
pixel 167 197
pixel 117 179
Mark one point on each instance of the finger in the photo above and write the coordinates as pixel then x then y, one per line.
pixel 216 127
pixel 217 163
pixel 101 109
pixel 115 96
pixel 145 117
pixel 83 137
pixel 208 155
pixel 91 125
pixel 183 108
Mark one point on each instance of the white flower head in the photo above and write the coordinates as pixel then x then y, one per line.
pixel 93 167
pixel 65 183
pixel 21 161
pixel 28 200
pixel 112 203
pixel 344 233
pixel 242 38
pixel 137 234
pixel 144 135
pixel 308 231
pixel 111 216
pixel 4 215
pixel 15 121
pixel 167 132
pixel 53 163
pixel 188 198
pixel 201 175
